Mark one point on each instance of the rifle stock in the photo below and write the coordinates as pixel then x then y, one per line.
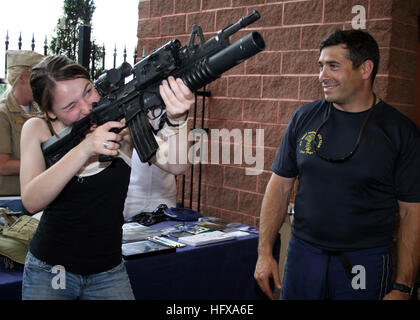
pixel 196 64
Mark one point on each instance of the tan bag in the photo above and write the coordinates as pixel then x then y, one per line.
pixel 15 238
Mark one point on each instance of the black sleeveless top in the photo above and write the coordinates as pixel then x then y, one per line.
pixel 82 228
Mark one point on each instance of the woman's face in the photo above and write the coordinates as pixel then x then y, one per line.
pixel 72 100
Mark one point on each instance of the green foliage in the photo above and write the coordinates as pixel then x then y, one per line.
pixel 76 13
pixel 2 89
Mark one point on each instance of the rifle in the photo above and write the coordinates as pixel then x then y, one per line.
pixel 196 64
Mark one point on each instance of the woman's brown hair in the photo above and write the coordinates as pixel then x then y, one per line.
pixel 50 70
pixel 45 76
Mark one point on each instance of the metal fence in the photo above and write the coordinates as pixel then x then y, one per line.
pixel 88 55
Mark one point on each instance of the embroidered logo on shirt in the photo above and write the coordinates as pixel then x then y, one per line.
pixel 305 145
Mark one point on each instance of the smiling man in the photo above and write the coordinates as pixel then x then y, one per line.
pixel 356 158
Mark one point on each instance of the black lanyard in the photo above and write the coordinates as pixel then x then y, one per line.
pixel 362 129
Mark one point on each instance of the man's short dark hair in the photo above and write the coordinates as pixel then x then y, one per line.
pixel 361 45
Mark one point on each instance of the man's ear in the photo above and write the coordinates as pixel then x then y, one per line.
pixel 367 69
pixel 24 79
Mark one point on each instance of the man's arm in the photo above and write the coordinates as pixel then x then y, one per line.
pixel 273 213
pixel 8 167
pixel 408 247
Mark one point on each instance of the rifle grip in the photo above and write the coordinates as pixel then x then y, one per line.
pixel 105 158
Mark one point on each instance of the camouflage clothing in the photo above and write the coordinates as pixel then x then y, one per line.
pixel 12 118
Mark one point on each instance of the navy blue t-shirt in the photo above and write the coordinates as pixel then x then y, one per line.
pixel 351 204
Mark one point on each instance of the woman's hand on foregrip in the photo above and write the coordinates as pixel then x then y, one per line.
pixel 177 97
pixel 100 140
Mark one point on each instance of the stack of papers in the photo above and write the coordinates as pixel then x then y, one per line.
pixel 208 237
pixel 134 231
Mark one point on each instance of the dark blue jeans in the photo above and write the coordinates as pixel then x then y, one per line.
pixel 312 274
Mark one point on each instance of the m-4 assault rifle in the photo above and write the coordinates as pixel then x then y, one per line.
pixel 196 64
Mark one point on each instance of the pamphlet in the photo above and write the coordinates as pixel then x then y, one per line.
pixel 206 238
pixel 144 248
pixel 134 231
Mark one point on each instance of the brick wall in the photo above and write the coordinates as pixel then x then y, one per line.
pixel 263 92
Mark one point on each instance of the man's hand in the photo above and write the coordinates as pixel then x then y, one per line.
pixel 267 268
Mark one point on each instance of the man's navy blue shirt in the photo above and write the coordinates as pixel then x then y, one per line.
pixel 352 204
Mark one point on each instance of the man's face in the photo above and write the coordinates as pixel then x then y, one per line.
pixel 339 79
pixel 26 91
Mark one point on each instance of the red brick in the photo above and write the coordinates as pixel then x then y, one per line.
pixel 260 110
pixel 235 71
pixel 401 63
pixel 340 10
pixel 230 216
pixel 210 211
pixel 199 111
pixel 226 109
pixel 404 36
pixel 240 3
pixel 206 20
pixel 182 6
pixel 160 8
pixel 263 181
pixel 381 31
pixel 214 4
pixel 218 88
pixel 400 91
pixel 245 87
pixel 269 155
pixel 285 110
pixel 149 28
pixel 264 63
pixel 282 39
pixel 380 9
pixel 405 11
pixel 380 86
pixel 300 62
pixel 411 38
pixel 303 12
pixel 173 25
pixel 271 16
pixel 250 203
pixel 281 87
pixel 313 35
pixel 144 9
pixel 226 17
pixel 213 174
pixel 236 178
pixel 223 152
pixel 273 134
pixel 310 89
pixel 214 124
pixel 222 198
pixel 241 125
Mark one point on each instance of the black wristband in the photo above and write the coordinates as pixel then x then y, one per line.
pixel 403 288
pixel 178 124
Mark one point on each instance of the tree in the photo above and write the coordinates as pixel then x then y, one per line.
pixel 76 13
